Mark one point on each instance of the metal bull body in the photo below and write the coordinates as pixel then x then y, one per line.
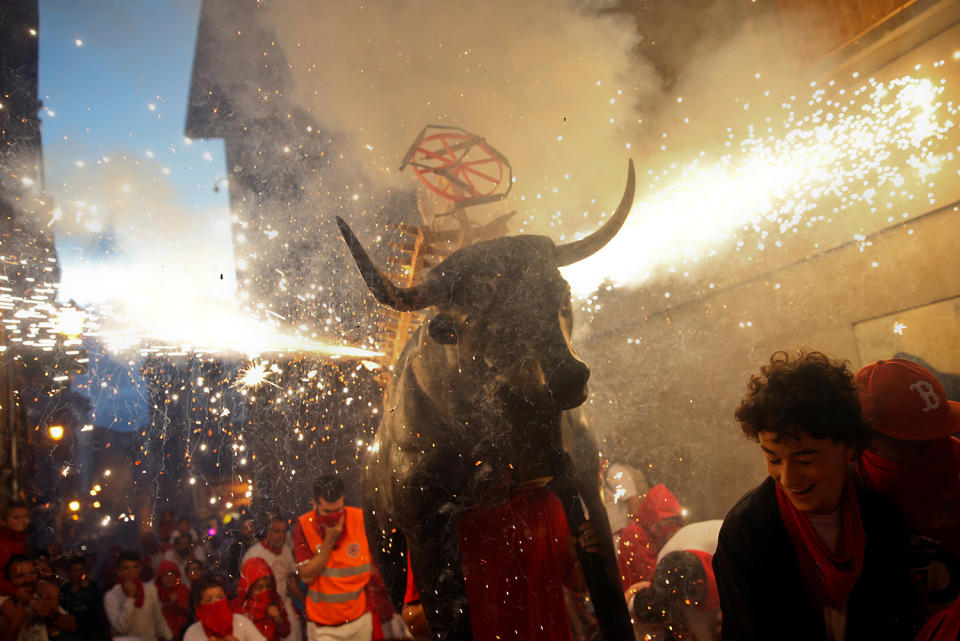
pixel 482 395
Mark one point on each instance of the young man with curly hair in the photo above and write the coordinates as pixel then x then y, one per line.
pixel 809 555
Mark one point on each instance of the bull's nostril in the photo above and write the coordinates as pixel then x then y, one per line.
pixel 567 383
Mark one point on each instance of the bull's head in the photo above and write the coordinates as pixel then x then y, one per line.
pixel 503 306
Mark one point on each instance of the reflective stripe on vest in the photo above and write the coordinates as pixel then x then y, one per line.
pixel 361 569
pixel 320 597
pixel 337 595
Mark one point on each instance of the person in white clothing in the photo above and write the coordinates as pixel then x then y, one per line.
pixel 133 607
pixel 182 553
pixel 215 620
pixel 701 535
pixel 280 559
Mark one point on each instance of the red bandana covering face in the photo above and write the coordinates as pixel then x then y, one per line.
pixel 257 605
pixel 329 520
pixel 216 618
pixel 829 577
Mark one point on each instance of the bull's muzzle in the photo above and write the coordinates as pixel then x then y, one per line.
pixel 567 384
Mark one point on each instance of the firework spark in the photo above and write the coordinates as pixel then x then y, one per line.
pixel 865 150
pixel 256 374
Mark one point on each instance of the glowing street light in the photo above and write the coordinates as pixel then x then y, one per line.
pixel 74 506
pixel 56 432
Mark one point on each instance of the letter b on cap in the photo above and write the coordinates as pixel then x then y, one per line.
pixel 928 394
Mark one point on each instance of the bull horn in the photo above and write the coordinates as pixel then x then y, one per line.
pixel 578 250
pixel 403 299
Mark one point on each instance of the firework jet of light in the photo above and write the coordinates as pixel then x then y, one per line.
pixel 176 314
pixel 862 150
pixel 167 285
pixel 225 330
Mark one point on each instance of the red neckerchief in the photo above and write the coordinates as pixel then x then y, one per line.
pixel 216 618
pixel 942 626
pixel 829 578
pixel 138 601
pixel 267 546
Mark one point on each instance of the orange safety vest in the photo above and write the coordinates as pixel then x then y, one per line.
pixel 337 595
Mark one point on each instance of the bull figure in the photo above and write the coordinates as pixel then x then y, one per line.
pixel 480 394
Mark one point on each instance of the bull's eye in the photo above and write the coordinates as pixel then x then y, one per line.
pixel 443 329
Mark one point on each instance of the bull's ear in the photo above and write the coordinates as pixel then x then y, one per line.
pixel 443 329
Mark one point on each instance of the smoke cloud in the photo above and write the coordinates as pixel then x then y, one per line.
pixel 555 86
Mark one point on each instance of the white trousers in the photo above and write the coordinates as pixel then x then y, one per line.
pixel 360 629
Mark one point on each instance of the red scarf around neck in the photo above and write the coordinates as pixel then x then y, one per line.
pixel 942 626
pixel 138 600
pixel 266 545
pixel 829 577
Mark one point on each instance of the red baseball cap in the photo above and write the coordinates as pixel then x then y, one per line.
pixel 904 400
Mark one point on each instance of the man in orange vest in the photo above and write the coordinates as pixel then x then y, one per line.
pixel 334 561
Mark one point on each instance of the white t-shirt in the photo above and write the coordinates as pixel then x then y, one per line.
pixel 827 527
pixel 243 629
pixel 126 619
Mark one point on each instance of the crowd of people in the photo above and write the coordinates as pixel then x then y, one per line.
pixel 176 585
pixel 854 534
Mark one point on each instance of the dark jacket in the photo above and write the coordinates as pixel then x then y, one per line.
pixel 762 593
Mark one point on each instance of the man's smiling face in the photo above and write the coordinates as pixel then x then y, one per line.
pixel 811 471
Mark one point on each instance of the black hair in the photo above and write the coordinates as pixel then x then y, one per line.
pixel 14 560
pixel 809 393
pixel 328 487
pixel 677 580
pixel 202 586
pixel 10 506
pixel 277 516
pixel 128 555
pixel 76 560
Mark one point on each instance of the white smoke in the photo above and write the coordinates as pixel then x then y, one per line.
pixel 555 86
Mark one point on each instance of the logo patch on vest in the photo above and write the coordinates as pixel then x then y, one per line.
pixel 353 550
